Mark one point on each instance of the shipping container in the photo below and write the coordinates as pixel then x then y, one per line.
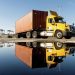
pixel 32 57
pixel 34 20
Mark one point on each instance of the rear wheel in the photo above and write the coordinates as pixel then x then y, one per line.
pixel 34 44
pixel 28 35
pixel 58 34
pixel 28 44
pixel 34 34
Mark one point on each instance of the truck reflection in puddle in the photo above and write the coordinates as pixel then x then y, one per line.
pixel 43 54
pixel 10 44
pixel 56 53
pixel 2 45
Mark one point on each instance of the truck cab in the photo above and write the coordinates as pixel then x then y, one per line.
pixel 56 53
pixel 55 26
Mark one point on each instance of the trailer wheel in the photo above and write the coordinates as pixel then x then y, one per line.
pixel 34 34
pixel 34 44
pixel 28 44
pixel 58 34
pixel 28 35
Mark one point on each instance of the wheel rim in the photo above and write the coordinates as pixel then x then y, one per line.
pixel 59 35
pixel 34 34
pixel 28 34
pixel 59 44
pixel 28 44
pixel 34 44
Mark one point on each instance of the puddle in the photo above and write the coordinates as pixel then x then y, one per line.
pixel 34 58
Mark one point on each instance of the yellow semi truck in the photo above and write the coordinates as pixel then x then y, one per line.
pixel 39 24
pixel 55 52
pixel 56 26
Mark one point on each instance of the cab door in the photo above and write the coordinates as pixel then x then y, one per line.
pixel 51 25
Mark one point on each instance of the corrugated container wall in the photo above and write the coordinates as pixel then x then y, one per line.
pixel 34 20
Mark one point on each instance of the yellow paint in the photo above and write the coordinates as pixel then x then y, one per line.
pixel 56 25
pixel 53 52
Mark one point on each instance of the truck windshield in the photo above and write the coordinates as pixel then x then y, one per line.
pixel 58 20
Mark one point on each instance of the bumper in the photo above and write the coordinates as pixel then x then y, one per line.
pixel 69 33
pixel 72 33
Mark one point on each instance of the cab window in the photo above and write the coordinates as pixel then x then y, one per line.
pixel 50 20
pixel 58 20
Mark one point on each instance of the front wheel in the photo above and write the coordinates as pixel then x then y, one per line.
pixel 58 45
pixel 58 34
pixel 67 37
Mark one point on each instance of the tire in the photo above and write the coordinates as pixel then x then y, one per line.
pixel 28 44
pixel 34 34
pixel 58 34
pixel 34 44
pixel 67 37
pixel 58 45
pixel 28 35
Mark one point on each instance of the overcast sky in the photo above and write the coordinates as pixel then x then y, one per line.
pixel 11 10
